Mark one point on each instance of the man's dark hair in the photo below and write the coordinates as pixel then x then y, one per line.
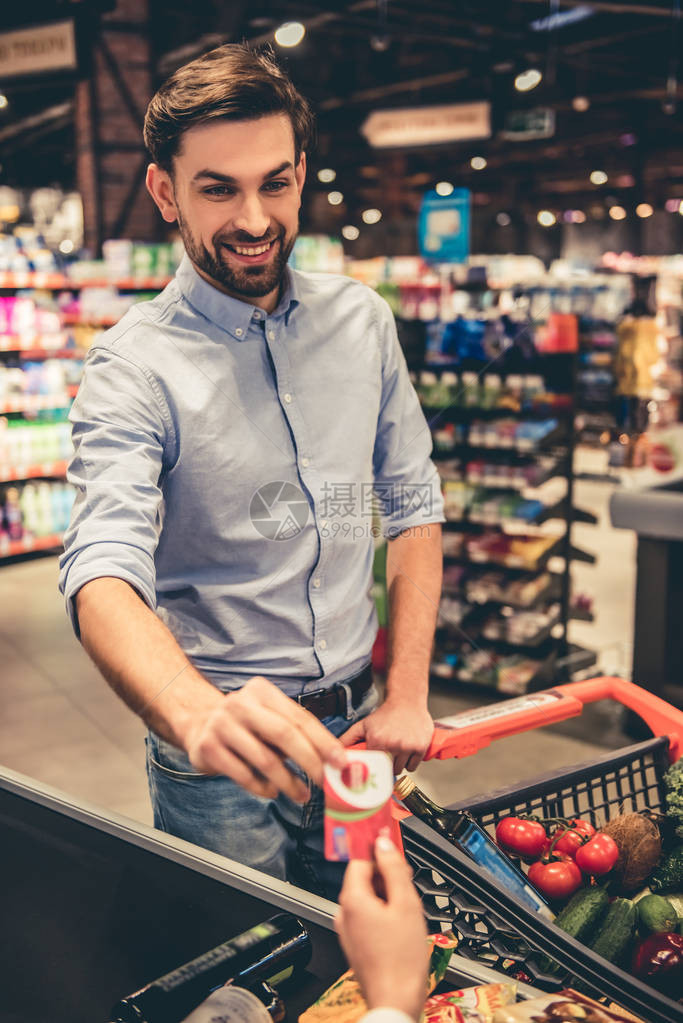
pixel 233 83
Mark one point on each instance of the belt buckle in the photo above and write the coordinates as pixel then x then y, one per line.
pixel 307 696
pixel 349 700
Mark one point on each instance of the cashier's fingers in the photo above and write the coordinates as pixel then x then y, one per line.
pixel 395 873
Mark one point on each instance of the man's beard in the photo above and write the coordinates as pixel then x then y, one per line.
pixel 248 281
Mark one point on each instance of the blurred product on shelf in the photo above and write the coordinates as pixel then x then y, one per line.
pixel 35 510
pixel 24 444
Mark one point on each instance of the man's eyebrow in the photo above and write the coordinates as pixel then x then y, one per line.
pixel 227 179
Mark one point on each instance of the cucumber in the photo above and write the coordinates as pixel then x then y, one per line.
pixel 614 937
pixel 655 914
pixel 579 918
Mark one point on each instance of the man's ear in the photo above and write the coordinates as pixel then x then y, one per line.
pixel 300 172
pixel 160 187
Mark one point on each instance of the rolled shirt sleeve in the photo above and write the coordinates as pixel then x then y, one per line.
pixel 121 430
pixel 407 483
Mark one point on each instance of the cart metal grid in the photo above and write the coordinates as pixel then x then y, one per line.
pixel 493 927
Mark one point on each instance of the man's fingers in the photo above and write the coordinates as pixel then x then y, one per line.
pixel 414 762
pixel 400 761
pixel 328 747
pixel 264 761
pixel 354 734
pixel 226 762
pixel 283 735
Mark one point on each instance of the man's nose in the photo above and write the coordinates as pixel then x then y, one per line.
pixel 251 217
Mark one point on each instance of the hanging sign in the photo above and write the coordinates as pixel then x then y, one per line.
pixel 523 125
pixel 444 227
pixel 428 126
pixel 30 51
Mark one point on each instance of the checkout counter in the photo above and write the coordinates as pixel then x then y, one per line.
pixel 656 515
pixel 97 905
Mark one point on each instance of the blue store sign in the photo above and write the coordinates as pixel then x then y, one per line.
pixel 444 227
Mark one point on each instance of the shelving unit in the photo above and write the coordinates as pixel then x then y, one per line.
pixel 27 463
pixel 488 567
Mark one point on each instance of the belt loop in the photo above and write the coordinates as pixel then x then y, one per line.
pixel 349 700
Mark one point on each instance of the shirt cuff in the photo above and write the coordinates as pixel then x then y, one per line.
pixel 385 1014
pixel 108 559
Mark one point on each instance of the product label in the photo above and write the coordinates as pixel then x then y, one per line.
pixel 357 805
pixel 500 710
pixel 230 1005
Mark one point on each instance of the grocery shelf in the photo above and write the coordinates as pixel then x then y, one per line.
pixel 35 402
pixel 577 658
pixel 548 593
pixel 60 282
pixel 29 544
pixel 464 412
pixel 31 343
pixel 515 564
pixel 524 449
pixel 72 320
pixel 32 279
pixel 579 614
pixel 43 470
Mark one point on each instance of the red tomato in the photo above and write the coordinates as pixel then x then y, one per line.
pixel 525 838
pixel 557 879
pixel 573 838
pixel 597 856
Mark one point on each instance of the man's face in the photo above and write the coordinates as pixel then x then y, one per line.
pixel 236 193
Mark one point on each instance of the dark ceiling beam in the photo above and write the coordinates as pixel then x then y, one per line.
pixel 58 112
pixel 613 7
pixel 394 88
pixel 617 37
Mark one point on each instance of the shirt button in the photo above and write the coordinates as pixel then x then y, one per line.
pixel 271 335
pixel 323 644
pixel 257 315
pixel 239 331
pixel 288 399
pixel 305 462
pixel 316 583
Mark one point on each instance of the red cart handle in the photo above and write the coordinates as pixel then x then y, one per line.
pixel 461 735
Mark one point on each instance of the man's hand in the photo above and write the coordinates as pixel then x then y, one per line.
pixel 384 937
pixel 247 735
pixel 398 727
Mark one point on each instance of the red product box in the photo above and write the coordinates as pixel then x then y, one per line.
pixel 357 805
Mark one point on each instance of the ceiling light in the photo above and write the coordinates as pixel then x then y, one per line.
pixel 4 102
pixel 546 218
pixel 672 205
pixel 326 175
pixel 617 213
pixel 598 177
pixel 444 188
pixel 477 163
pixel 643 209
pixel 335 198
pixel 625 181
pixel 350 232
pixel 504 219
pixel 578 217
pixel 680 208
pixel 568 216
pixel 371 216
pixel 66 246
pixel 528 80
pixel 581 103
pixel 628 138
pixel 290 34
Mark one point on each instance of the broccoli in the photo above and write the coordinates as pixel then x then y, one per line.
pixel 673 783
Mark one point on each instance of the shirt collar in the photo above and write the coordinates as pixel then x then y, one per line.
pixel 230 314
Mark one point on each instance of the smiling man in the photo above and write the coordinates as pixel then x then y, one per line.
pixel 228 437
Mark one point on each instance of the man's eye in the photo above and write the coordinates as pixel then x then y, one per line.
pixel 217 190
pixel 275 186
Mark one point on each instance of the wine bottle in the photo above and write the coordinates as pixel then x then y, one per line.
pixel 265 952
pixel 461 829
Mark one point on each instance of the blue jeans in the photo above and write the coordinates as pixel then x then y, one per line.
pixel 278 836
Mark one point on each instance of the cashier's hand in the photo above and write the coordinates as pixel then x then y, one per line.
pixel 250 733
pixel 382 930
pixel 400 728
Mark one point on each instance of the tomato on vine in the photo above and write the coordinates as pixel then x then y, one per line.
pixel 558 879
pixel 571 837
pixel 522 837
pixel 598 856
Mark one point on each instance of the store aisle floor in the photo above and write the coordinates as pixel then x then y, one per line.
pixel 62 725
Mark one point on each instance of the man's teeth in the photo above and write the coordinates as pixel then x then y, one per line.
pixel 256 251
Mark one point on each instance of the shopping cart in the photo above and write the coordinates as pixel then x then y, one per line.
pixel 493 926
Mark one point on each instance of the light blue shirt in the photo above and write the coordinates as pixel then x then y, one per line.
pixel 224 462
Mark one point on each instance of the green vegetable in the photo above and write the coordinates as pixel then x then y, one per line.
pixel 655 914
pixel 679 926
pixel 668 877
pixel 579 918
pixel 673 783
pixel 614 937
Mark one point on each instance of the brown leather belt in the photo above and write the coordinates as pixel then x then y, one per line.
pixel 334 701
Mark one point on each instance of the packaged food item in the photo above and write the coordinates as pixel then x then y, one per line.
pixel 344 1003
pixel 471 1004
pixel 567 1005
pixel 357 805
